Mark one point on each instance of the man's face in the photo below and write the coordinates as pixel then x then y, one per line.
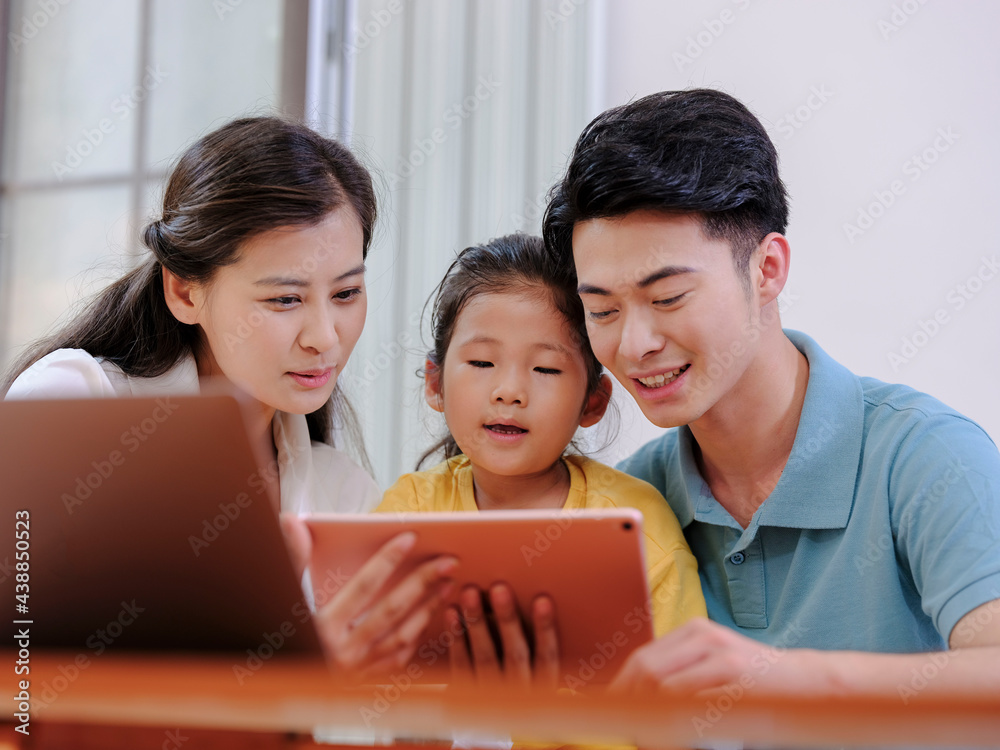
pixel 667 314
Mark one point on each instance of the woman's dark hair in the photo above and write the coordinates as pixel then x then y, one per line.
pixel 513 263
pixel 697 151
pixel 249 176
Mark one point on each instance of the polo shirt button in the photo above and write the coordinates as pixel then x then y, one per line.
pixel 737 558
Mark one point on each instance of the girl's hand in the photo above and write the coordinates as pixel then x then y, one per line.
pixel 364 633
pixel 476 657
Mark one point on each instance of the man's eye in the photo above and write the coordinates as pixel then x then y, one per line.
pixel 599 314
pixel 670 300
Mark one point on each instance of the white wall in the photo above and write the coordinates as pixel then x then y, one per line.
pixel 852 92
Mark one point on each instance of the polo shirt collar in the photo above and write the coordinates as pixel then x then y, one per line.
pixel 816 488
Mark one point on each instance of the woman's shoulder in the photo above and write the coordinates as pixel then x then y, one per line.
pixel 68 373
pixel 346 486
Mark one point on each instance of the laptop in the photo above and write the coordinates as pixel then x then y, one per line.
pixel 143 524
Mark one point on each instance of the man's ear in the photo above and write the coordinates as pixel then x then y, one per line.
pixel 597 403
pixel 182 297
pixel 769 267
pixel 432 386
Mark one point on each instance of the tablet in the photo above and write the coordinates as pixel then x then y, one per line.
pixel 143 524
pixel 590 562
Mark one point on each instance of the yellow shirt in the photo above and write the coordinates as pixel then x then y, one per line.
pixel 675 591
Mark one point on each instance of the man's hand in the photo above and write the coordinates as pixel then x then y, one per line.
pixel 705 657
pixel 702 655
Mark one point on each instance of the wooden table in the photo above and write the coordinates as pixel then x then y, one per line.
pixel 171 702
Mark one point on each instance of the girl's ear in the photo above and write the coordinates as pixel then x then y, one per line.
pixel 181 297
pixel 597 403
pixel 432 386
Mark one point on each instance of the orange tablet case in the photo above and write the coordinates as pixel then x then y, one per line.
pixel 589 561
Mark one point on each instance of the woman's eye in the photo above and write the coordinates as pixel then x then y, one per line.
pixel 284 301
pixel 348 294
pixel 480 363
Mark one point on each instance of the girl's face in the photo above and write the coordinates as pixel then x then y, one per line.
pixel 281 321
pixel 513 388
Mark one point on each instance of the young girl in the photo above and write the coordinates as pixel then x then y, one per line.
pixel 256 277
pixel 514 375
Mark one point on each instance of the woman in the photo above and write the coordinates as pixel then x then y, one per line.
pixel 256 278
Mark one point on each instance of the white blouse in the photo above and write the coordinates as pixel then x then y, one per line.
pixel 314 477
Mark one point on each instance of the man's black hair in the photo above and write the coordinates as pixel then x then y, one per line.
pixel 697 151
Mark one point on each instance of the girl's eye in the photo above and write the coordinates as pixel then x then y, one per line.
pixel 548 370
pixel 348 294
pixel 480 363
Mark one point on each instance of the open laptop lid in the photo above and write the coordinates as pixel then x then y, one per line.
pixel 147 525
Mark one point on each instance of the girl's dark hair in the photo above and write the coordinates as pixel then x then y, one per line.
pixel 250 176
pixel 697 151
pixel 513 263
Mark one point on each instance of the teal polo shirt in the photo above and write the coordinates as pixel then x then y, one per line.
pixel 881 534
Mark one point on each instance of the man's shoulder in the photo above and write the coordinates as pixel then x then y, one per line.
pixel 899 409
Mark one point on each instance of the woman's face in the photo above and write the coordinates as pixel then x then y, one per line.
pixel 281 322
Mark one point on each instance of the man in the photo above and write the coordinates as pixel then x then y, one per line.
pixel 831 515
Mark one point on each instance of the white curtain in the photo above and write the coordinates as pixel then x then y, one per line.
pixel 466 112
